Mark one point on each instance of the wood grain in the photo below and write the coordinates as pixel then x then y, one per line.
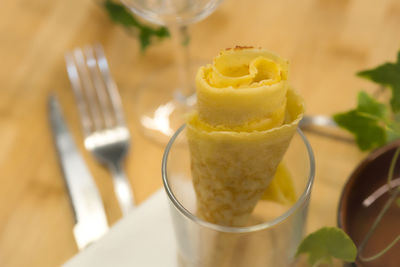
pixel 326 42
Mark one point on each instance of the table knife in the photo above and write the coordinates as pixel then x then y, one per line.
pixel 91 220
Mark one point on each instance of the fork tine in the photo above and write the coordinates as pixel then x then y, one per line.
pixel 99 86
pixel 77 88
pixel 110 84
pixel 89 88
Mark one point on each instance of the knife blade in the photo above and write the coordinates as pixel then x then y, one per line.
pixel 90 217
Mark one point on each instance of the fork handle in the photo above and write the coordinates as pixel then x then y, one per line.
pixel 122 188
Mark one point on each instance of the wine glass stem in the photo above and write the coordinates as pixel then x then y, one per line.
pixel 180 37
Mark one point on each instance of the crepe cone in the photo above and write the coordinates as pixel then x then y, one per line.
pixel 246 116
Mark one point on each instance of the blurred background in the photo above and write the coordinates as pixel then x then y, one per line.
pixel 325 41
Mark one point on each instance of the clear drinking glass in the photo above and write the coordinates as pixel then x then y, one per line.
pixel 169 94
pixel 275 231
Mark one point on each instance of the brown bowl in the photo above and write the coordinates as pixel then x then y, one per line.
pixel 356 218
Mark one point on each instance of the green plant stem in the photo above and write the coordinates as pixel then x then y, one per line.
pixel 385 208
pixel 383 251
pixel 388 203
pixel 392 166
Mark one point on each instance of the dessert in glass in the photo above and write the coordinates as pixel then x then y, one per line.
pixel 239 174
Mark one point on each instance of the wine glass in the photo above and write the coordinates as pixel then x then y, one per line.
pixel 167 96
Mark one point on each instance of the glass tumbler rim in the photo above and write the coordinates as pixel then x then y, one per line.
pixel 243 229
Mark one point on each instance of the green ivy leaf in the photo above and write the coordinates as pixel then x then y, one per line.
pixel 393 130
pixel 327 243
pixel 367 122
pixel 370 106
pixel 387 74
pixel 119 14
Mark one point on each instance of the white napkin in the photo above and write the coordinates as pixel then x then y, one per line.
pixel 144 237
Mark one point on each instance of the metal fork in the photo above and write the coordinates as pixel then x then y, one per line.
pixel 103 123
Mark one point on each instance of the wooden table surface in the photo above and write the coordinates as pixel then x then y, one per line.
pixel 326 42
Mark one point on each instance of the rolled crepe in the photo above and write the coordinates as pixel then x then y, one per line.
pixel 245 118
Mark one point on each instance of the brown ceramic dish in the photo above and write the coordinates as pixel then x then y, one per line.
pixel 356 217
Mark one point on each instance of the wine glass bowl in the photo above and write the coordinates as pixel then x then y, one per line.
pixel 172 12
